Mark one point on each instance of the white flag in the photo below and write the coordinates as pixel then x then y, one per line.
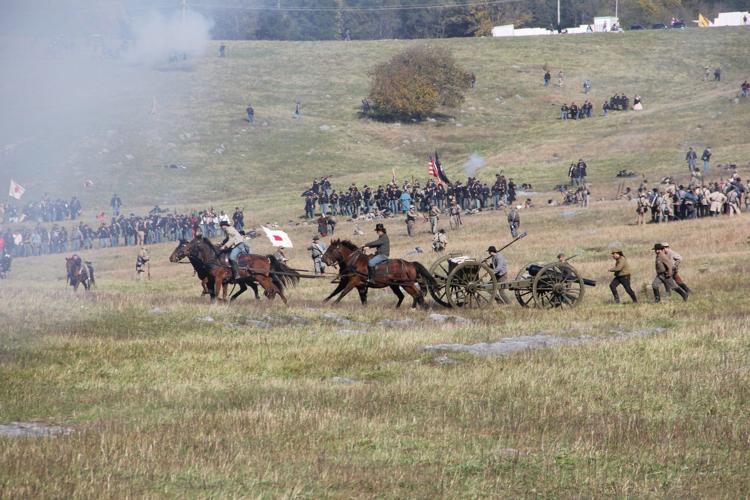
pixel 278 238
pixel 16 190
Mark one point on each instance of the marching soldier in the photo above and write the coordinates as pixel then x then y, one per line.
pixel 317 250
pixel 411 219
pixel 665 275
pixel 622 276
pixel 514 221
pixel 141 262
pixel 382 247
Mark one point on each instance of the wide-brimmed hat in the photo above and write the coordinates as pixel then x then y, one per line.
pixel 616 250
pixel 658 246
pixel 316 237
pixel 492 249
pixel 665 244
pixel 380 227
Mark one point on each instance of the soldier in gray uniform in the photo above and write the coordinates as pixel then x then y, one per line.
pixel 317 249
pixel 382 248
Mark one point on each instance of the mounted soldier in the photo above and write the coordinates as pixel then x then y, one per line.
pixel 382 248
pixel 235 243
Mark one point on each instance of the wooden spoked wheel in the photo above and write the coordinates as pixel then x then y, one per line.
pixel 522 287
pixel 471 284
pixel 557 285
pixel 440 270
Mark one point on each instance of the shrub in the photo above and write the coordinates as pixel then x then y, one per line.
pixel 415 82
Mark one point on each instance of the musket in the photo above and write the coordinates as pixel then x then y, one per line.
pixel 570 258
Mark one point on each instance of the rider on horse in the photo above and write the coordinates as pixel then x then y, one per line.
pixel 383 250
pixel 234 241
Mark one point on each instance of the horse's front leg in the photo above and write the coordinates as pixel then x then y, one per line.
pixel 349 287
pixel 341 286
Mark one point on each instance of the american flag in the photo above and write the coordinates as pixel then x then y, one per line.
pixel 435 169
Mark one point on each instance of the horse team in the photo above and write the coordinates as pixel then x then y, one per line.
pixel 212 267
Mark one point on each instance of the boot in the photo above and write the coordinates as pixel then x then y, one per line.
pixel 617 298
pixel 235 271
pixel 657 297
pixel 682 293
pixel 685 288
pixel 370 274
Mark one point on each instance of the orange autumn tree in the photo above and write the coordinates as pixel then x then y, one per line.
pixel 415 82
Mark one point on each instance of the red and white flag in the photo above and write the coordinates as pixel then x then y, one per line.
pixel 432 168
pixel 278 238
pixel 16 190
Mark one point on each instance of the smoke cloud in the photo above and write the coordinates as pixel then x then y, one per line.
pixel 474 163
pixel 157 37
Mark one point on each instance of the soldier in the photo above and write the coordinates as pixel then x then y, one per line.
pixel 440 241
pixel 664 275
pixel 235 243
pixel 622 276
pixel 514 221
pixel 434 216
pixel 382 248
pixel 141 263
pixel 690 157
pixel 500 267
pixel 676 262
pixel 317 250
pixel 411 219
pixel 280 255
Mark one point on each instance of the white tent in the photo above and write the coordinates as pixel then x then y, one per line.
pixel 732 19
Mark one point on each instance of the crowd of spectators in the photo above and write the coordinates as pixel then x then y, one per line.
pixel 44 210
pixel 391 199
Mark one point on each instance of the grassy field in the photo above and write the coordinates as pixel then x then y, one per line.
pixel 510 119
pixel 169 396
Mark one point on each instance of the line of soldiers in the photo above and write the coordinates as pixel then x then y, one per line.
pixel 670 202
pixel 44 210
pixel 392 199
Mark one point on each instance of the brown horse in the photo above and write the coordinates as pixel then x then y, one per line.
pixel 271 274
pixel 79 273
pixel 413 277
pixel 183 250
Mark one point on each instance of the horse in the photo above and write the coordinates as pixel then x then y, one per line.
pixel 413 277
pixel 79 273
pixel 268 271
pixel 183 250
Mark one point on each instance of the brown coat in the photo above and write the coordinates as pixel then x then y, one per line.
pixel 663 265
pixel 622 268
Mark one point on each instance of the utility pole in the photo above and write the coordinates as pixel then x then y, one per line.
pixel 558 17
pixel 616 2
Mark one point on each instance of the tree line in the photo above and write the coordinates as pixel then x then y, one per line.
pixel 405 19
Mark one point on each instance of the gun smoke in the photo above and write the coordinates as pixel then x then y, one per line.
pixel 474 163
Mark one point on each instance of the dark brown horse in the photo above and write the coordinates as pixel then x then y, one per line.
pixel 183 251
pixel 413 277
pixel 270 273
pixel 79 273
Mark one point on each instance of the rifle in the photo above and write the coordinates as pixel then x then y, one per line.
pixel 570 258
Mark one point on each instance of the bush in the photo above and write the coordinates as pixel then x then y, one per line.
pixel 415 82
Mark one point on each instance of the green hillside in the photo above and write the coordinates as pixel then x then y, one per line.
pixel 510 119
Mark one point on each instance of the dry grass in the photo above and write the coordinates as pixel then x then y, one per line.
pixel 169 405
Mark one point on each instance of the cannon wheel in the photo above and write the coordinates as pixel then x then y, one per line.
pixel 522 287
pixel 557 285
pixel 440 270
pixel 471 284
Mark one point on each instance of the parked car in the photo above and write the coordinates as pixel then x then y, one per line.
pixel 658 26
pixel 636 27
pixel 678 24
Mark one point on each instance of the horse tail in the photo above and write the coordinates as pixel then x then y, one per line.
pixel 281 274
pixel 423 273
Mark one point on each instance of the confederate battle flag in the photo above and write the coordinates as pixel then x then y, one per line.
pixel 16 190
